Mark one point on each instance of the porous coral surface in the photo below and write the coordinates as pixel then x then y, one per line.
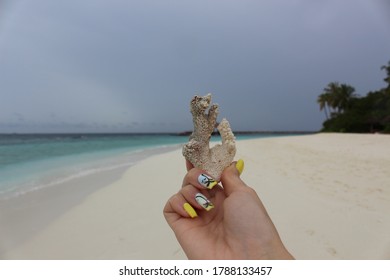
pixel 197 150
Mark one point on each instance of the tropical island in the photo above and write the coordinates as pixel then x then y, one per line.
pixel 348 112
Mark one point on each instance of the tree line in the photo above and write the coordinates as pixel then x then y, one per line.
pixel 346 111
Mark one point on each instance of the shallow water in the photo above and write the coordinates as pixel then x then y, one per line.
pixel 29 162
pixel 34 161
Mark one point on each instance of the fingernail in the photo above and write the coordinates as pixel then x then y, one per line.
pixel 204 202
pixel 206 181
pixel 190 211
pixel 240 166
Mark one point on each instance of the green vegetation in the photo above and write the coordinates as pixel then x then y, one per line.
pixel 347 112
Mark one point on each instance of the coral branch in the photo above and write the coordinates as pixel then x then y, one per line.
pixel 197 150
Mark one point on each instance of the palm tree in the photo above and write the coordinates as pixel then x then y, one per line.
pixel 331 93
pixel 338 96
pixel 323 101
pixel 387 69
pixel 345 94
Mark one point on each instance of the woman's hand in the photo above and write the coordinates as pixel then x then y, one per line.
pixel 211 221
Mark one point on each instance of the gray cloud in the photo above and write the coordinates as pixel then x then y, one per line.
pixel 134 65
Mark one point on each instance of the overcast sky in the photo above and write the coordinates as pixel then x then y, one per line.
pixel 133 66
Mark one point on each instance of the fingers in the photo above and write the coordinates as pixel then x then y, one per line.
pixel 189 165
pixel 230 178
pixel 178 205
pixel 188 202
pixel 199 179
pixel 196 198
pixel 199 189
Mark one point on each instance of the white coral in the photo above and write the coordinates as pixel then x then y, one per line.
pixel 197 150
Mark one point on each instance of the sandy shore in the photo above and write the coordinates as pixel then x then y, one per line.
pixel 328 194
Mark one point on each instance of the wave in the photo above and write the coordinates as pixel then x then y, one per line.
pixel 72 170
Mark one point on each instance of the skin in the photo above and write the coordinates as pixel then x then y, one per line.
pixel 237 228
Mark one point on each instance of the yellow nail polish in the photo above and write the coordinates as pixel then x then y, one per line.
pixel 190 211
pixel 240 166
pixel 206 181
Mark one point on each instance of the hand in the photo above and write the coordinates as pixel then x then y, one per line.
pixel 228 222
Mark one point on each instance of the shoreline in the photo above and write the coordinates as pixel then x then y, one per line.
pixel 327 194
pixel 22 216
pixel 89 167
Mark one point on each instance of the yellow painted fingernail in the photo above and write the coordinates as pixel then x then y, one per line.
pixel 240 166
pixel 190 211
pixel 206 181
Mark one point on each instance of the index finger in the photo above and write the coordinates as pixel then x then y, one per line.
pixel 189 165
pixel 199 179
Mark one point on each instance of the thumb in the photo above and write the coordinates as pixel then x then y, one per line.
pixel 230 177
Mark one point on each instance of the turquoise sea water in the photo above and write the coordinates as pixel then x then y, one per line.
pixel 34 161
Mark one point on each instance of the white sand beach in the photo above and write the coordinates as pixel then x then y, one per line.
pixel 328 195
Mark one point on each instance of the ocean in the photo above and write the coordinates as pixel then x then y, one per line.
pixel 34 161
pixel 30 162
